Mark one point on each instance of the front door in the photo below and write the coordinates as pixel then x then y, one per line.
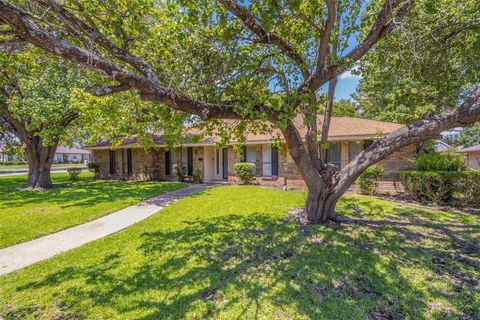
pixel 225 163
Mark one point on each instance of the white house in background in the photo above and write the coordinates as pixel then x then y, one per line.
pixel 473 156
pixel 6 157
pixel 441 146
pixel 65 154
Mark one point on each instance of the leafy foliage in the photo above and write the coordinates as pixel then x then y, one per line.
pixel 74 173
pixel 244 171
pixel 445 161
pixel 180 173
pixel 197 175
pixel 420 71
pixel 37 93
pixel 443 186
pixel 470 136
pixel 93 167
pixel 368 181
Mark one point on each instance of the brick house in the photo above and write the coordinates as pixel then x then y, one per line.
pixel 274 167
pixel 472 155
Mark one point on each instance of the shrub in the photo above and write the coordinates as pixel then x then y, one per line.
pixel 446 161
pixel 180 173
pixel 74 172
pixel 13 163
pixel 468 188
pixel 197 175
pixel 244 171
pixel 93 167
pixel 443 187
pixel 367 182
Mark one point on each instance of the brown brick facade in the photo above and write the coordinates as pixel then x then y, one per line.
pixel 150 165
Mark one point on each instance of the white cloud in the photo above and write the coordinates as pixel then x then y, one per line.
pixel 349 75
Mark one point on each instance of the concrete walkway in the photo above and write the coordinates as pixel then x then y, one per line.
pixel 24 254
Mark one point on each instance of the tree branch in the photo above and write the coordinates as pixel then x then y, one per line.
pixel 104 90
pixel 385 22
pixel 466 115
pixel 327 117
pixel 149 90
pixel 327 30
pixel 94 34
pixel 264 36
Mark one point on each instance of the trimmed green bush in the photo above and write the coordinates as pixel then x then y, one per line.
pixel 180 173
pixel 446 161
pixel 13 163
pixel 244 171
pixel 443 187
pixel 93 167
pixel 367 182
pixel 197 175
pixel 74 172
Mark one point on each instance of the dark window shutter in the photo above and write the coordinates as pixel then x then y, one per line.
pixel 225 163
pixel 367 143
pixel 243 157
pixel 189 161
pixel 167 163
pixel 129 162
pixel 113 167
pixel 274 161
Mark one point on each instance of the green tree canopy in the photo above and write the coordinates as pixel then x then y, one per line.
pixel 470 136
pixel 427 66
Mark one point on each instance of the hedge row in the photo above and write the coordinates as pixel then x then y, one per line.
pixel 443 186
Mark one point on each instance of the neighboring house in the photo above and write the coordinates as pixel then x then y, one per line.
pixel 65 154
pixel 473 156
pixel 441 146
pixel 6 157
pixel 348 136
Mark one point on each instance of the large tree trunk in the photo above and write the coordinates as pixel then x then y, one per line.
pixel 327 185
pixel 40 159
pixel 320 205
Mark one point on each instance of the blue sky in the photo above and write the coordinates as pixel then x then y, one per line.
pixel 346 85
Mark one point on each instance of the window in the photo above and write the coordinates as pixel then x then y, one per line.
pixel 266 160
pixel 113 167
pixel 354 148
pixel 187 159
pixel 269 160
pixel 184 157
pixel 334 153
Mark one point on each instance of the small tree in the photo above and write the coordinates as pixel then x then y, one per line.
pixel 244 171
pixel 36 111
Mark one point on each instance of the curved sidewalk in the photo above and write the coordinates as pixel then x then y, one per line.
pixel 24 254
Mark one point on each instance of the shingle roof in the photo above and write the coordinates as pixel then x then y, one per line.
pixel 470 149
pixel 340 127
pixel 66 150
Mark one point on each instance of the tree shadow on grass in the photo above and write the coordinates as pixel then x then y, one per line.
pixel 256 266
pixel 83 193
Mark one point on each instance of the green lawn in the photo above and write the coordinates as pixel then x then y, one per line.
pixel 229 253
pixel 25 215
pixel 25 167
